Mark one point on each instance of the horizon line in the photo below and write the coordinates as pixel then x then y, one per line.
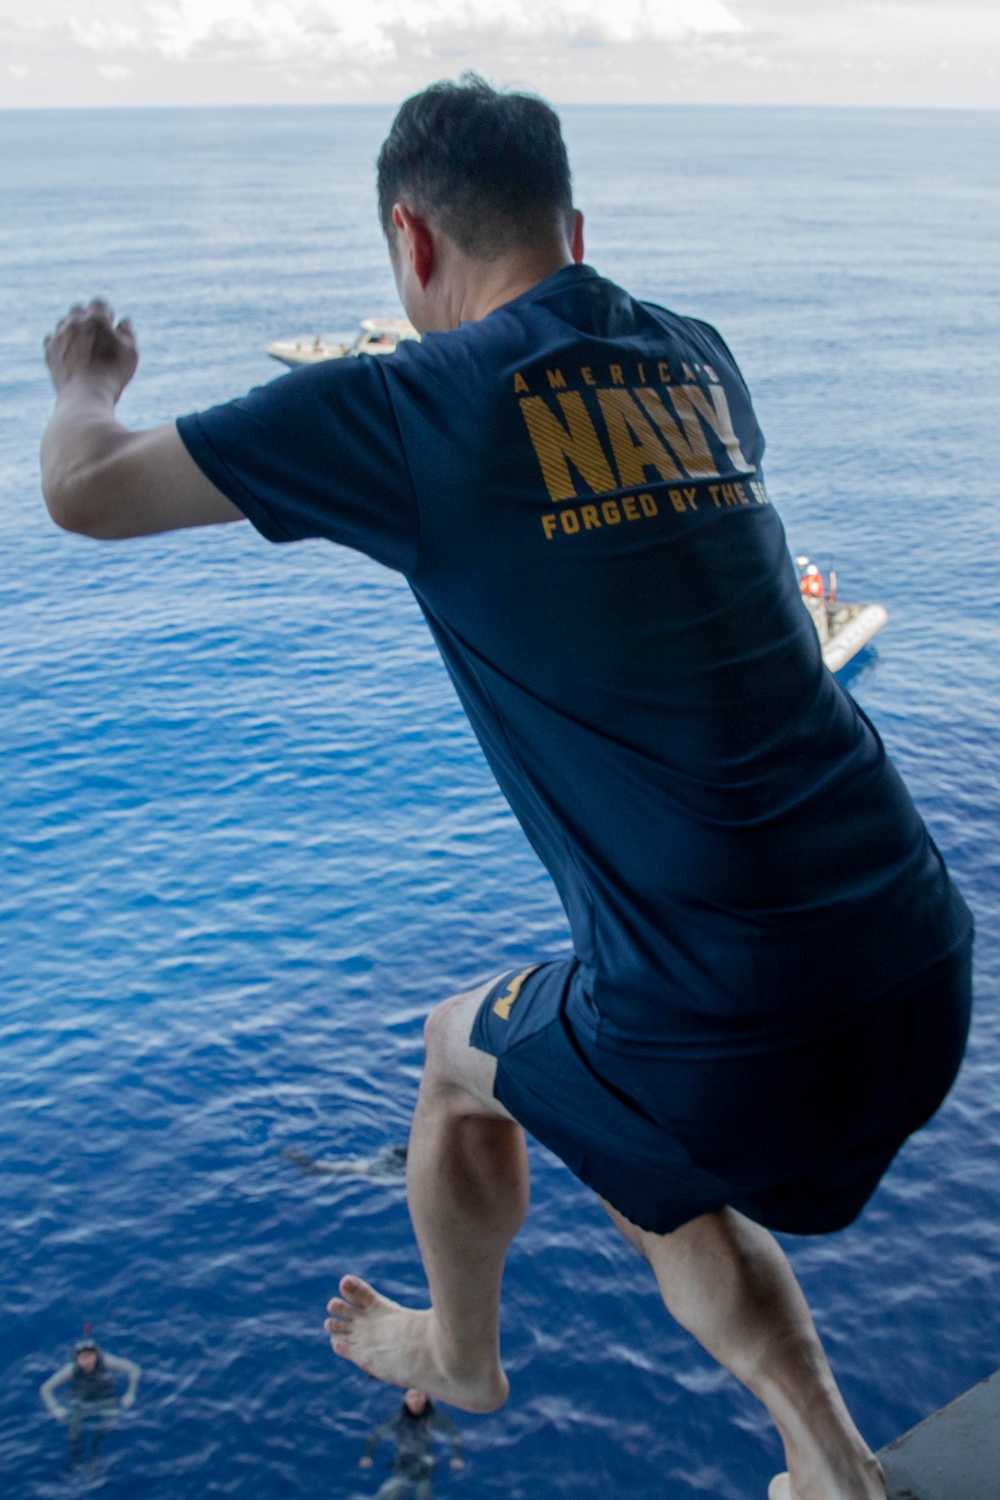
pixel 293 104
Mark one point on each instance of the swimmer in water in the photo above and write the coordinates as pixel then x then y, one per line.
pixel 389 1162
pixel 413 1426
pixel 91 1402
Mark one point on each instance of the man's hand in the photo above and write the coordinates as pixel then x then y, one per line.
pixel 364 1462
pixel 98 478
pixel 88 345
pixel 458 1463
pixel 128 1400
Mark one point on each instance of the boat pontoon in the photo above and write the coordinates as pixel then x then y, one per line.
pixel 376 336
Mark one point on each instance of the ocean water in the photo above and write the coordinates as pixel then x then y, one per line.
pixel 248 839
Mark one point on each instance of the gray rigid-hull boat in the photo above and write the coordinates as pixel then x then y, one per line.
pixel 376 336
pixel 842 628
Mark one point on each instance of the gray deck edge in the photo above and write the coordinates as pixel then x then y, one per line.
pixel 954 1454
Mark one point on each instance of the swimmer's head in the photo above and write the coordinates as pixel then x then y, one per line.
pixel 86 1354
pixel 416 1402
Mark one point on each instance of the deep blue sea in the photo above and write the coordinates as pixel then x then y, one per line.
pixel 248 839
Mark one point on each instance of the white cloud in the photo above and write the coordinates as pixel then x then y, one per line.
pixel 102 35
pixel 284 51
pixel 369 32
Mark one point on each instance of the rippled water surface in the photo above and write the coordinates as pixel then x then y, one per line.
pixel 249 840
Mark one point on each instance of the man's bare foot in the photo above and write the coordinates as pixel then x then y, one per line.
pixel 402 1346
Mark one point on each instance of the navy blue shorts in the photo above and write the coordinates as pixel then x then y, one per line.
pixel 797 1138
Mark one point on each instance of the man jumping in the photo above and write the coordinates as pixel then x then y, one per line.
pixel 770 981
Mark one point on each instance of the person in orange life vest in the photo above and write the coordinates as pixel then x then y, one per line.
pixel 811 582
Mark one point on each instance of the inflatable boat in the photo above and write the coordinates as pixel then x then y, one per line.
pixel 842 628
pixel 375 336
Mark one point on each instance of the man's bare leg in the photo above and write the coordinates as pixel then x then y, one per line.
pixel 722 1277
pixel 467 1187
pixel 727 1281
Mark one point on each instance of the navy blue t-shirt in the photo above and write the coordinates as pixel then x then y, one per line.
pixel 572 487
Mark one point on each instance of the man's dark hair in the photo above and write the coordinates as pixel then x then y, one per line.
pixel 488 168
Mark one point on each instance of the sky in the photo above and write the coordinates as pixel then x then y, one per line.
pixel 930 53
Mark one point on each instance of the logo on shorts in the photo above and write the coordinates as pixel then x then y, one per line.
pixel 503 1005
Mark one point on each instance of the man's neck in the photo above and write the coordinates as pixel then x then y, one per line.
pixel 472 288
pixel 503 280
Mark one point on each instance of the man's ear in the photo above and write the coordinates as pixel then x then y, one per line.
pixel 576 249
pixel 414 241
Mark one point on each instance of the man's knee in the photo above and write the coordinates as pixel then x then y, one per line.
pixel 439 1026
pixel 448 1028
pixel 452 1065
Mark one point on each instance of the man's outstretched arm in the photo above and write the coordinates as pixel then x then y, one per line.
pixel 382 1430
pixel 98 478
pixel 447 1428
pixel 129 1368
pixel 48 1391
